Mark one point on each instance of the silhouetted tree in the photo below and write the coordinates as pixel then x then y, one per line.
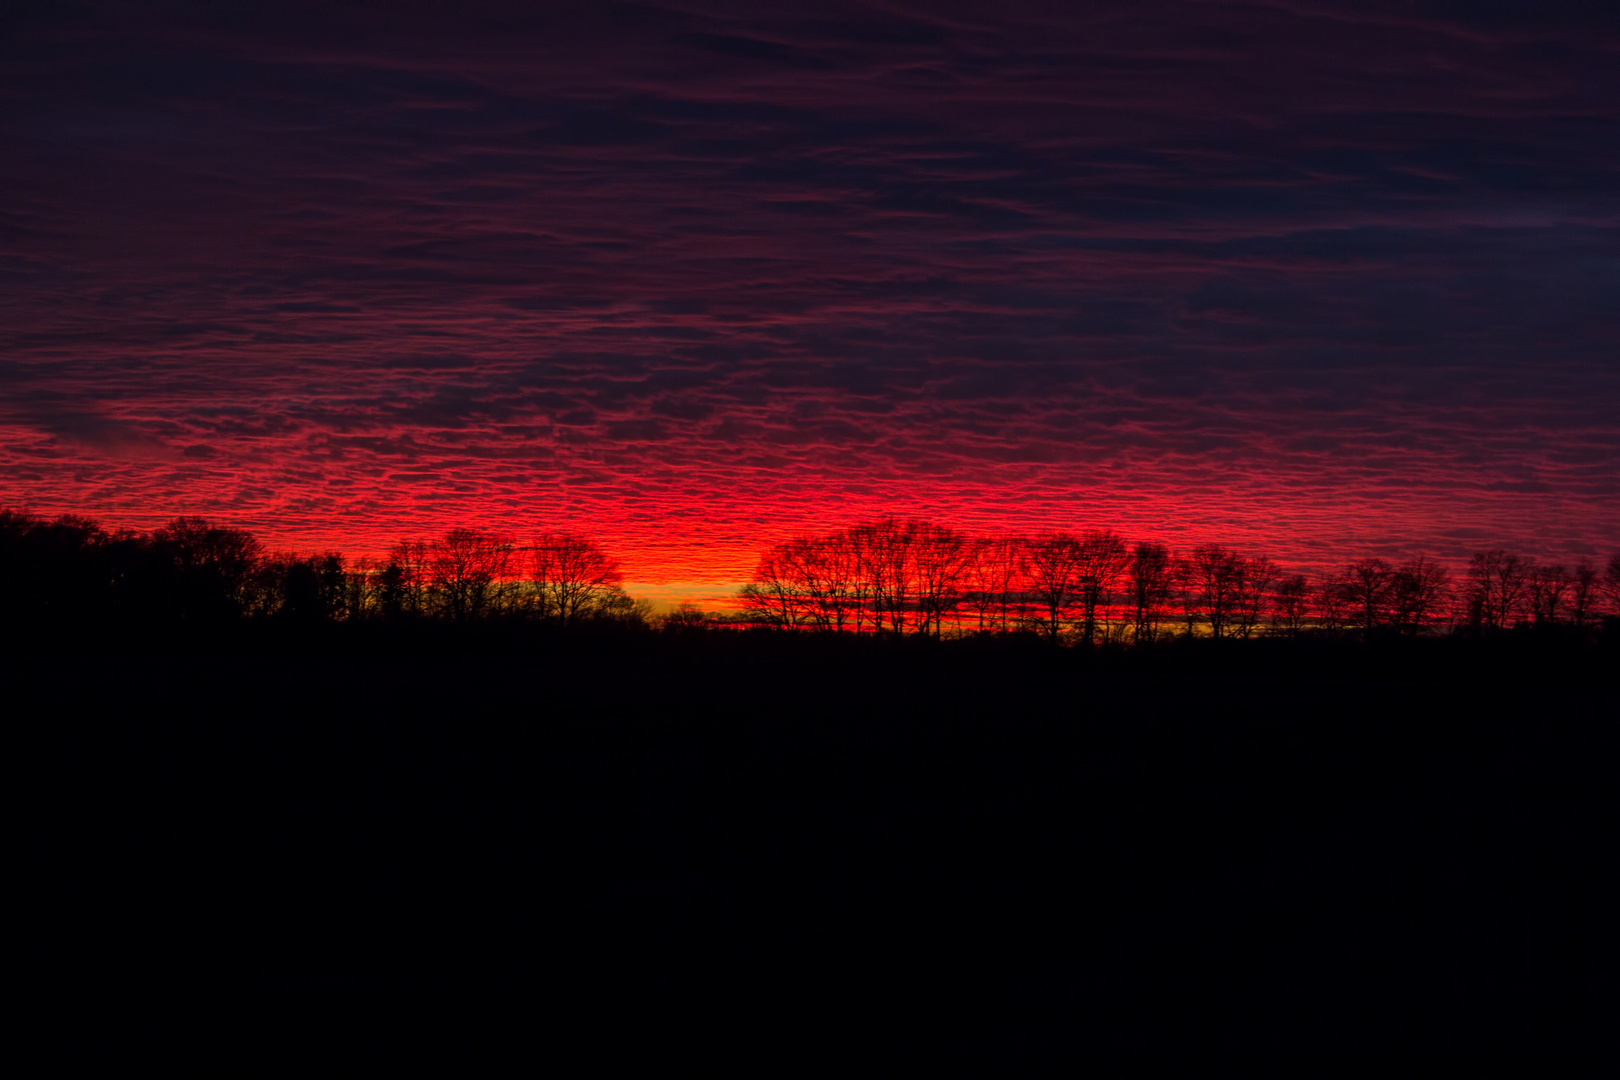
pixel 617 606
pixel 989 577
pixel 848 573
pixel 1050 562
pixel 772 596
pixel 1496 588
pixel 1583 594
pixel 401 586
pixel 357 600
pixel 977 595
pixel 1252 599
pixel 1547 587
pixel 1151 575
pixel 212 568
pixel 301 589
pixel 827 579
pixel 572 577
pixel 1367 584
pixel 1184 586
pixel 1611 582
pixel 886 557
pixel 1335 605
pixel 1417 590
pixel 469 572
pixel 1217 575
pixel 58 573
pixel 686 618
pixel 1294 607
pixel 939 558
pixel 1100 558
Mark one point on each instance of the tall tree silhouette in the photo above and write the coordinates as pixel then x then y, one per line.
pixel 1367 584
pixel 1050 560
pixel 1099 560
pixel 572 576
pixel 847 574
pixel 886 554
pixel 1417 589
pixel 939 559
pixel 1335 605
pixel 1547 588
pixel 773 596
pixel 1583 594
pixel 1252 599
pixel 995 565
pixel 1151 574
pixel 1496 588
pixel 212 567
pixel 303 589
pixel 1294 607
pixel 1217 579
pixel 402 584
pixel 828 579
pixel 469 572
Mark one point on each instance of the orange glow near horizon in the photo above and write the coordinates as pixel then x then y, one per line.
pixel 700 546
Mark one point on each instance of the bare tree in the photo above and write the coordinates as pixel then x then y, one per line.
pixel 886 555
pixel 359 589
pixel 1367 583
pixel 1583 594
pixel 402 583
pixel 1548 588
pixel 851 571
pixel 1611 582
pixel 572 576
pixel 772 595
pixel 1294 607
pixel 1496 587
pixel 828 579
pixel 1252 599
pixel 1100 559
pixel 1051 563
pixel 1184 584
pixel 1012 568
pixel 939 558
pixel 214 566
pixel 1217 576
pixel 1510 587
pixel 685 618
pixel 981 579
pixel 468 572
pixel 862 544
pixel 1150 573
pixel 1416 592
pixel 835 572
pixel 1335 605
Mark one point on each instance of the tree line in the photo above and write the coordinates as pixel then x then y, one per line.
pixel 898 576
pixel 69 571
pixel 892 577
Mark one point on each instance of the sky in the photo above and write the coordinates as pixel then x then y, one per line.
pixel 1318 281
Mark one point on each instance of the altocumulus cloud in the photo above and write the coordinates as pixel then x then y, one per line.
pixel 1309 277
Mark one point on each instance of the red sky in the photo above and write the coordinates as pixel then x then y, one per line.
pixel 1316 281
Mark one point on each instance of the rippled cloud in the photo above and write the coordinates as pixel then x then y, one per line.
pixel 1314 278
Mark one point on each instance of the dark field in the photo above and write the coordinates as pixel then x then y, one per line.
pixel 692 847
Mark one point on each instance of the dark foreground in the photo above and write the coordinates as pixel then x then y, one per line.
pixel 992 857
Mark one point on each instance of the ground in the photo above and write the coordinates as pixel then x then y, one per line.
pixel 962 853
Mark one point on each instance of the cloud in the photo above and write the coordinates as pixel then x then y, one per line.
pixel 104 435
pixel 1307 274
